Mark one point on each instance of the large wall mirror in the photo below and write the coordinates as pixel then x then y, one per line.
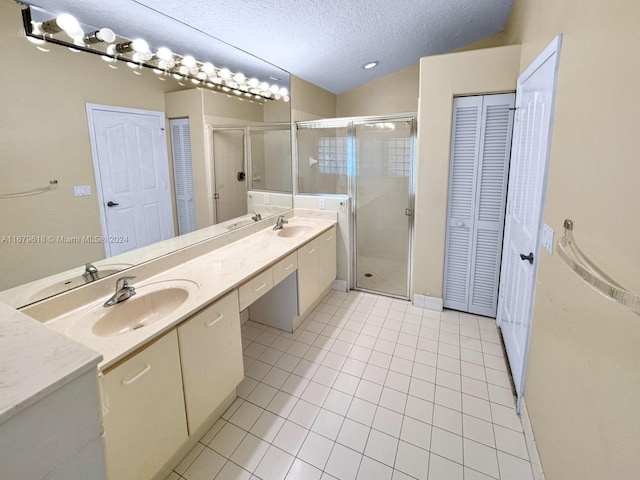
pixel 45 137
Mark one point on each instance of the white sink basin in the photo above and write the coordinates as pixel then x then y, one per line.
pixel 294 231
pixel 151 303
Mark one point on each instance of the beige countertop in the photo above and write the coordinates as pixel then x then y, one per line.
pixel 215 273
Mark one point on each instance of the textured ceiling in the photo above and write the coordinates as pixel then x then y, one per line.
pixel 325 42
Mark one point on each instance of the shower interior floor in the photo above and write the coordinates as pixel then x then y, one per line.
pixel 387 276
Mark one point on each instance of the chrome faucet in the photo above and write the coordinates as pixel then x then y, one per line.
pixel 257 217
pixel 123 291
pixel 280 222
pixel 90 273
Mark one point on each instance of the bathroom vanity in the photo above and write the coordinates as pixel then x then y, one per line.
pixel 172 353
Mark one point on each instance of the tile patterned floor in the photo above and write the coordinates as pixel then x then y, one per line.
pixel 370 388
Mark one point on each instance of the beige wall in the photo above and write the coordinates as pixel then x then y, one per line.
pixel 442 77
pixel 394 93
pixel 45 137
pixel 310 102
pixel 583 380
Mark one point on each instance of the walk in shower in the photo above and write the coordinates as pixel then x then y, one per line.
pixel 371 159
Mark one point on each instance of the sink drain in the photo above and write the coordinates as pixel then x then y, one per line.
pixel 368 275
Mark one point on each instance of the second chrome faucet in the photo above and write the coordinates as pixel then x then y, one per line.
pixel 123 291
pixel 280 222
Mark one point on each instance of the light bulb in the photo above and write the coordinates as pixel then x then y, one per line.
pixel 102 35
pixel 188 62
pixel 165 54
pixel 264 86
pixel 253 82
pixel 283 91
pixel 239 77
pixel 274 89
pixel 63 22
pixel 225 73
pixel 138 45
pixel 208 68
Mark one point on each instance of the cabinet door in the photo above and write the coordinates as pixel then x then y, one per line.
pixel 309 274
pixel 329 261
pixel 211 355
pixel 145 421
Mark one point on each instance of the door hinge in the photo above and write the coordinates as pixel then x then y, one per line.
pixel 408 212
pixel 216 196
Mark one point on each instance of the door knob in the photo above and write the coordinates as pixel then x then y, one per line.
pixel 527 257
pixel 112 204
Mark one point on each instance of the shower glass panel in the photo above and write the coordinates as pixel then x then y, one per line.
pixel 322 159
pixel 383 203
pixel 270 156
pixel 230 184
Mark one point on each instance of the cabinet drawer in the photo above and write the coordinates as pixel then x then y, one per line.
pixel 144 423
pixel 284 268
pixel 211 357
pixel 255 288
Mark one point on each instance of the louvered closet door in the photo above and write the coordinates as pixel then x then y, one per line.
pixel 183 174
pixel 477 195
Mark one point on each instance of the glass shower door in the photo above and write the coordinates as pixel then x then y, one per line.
pixel 383 205
pixel 230 184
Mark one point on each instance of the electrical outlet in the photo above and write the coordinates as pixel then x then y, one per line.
pixel 322 204
pixel 81 190
pixel 266 199
pixel 547 238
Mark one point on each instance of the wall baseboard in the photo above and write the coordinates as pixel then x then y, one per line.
pixel 536 465
pixel 339 285
pixel 430 303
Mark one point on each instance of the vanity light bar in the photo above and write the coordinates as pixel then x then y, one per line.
pixel 137 54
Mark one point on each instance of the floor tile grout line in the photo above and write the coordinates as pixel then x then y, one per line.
pixel 339 327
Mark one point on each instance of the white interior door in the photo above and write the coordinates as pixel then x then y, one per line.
pixel 132 176
pixel 531 144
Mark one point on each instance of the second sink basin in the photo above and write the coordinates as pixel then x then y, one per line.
pixel 294 230
pixel 152 302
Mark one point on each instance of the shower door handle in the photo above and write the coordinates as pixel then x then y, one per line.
pixel 408 212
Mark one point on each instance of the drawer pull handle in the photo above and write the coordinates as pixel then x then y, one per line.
pixel 213 322
pixel 330 238
pixel 147 367
pixel 260 287
pixel 311 251
pixel 289 267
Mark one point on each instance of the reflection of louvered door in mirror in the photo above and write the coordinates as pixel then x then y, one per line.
pixel 183 174
pixel 479 166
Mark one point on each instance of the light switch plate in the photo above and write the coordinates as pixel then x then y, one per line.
pixel 547 238
pixel 322 204
pixel 81 190
pixel 266 199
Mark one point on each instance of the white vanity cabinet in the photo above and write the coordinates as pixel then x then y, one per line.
pixel 211 355
pixel 316 268
pixel 144 415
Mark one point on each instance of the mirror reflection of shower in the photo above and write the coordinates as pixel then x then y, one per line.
pixel 249 158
